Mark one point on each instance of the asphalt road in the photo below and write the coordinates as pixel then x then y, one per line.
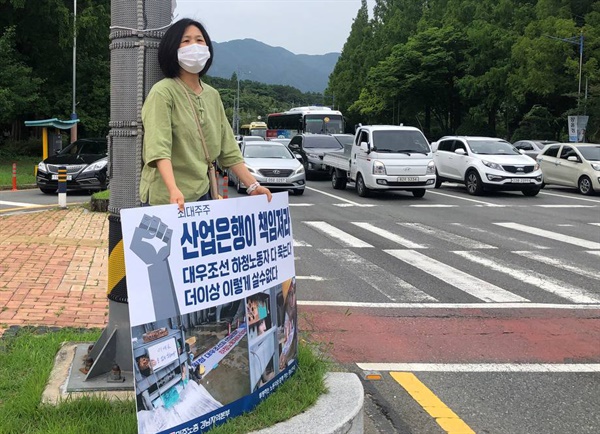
pixel 478 314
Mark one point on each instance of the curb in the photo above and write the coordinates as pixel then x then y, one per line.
pixel 339 411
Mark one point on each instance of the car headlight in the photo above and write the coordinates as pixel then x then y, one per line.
pixel 536 166
pixel 378 168
pixel 492 165
pixel 596 166
pixel 42 167
pixel 299 170
pixel 94 167
pixel 430 168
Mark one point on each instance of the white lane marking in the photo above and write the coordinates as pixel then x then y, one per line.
pixel 433 206
pixel 481 202
pixel 465 282
pixel 505 238
pixel 570 197
pixel 316 278
pixel 566 206
pixel 338 235
pixel 389 235
pixel 595 224
pixel 339 198
pixel 453 238
pixel 544 282
pixel 553 262
pixel 299 243
pixel 449 305
pixel 552 235
pixel 594 252
pixel 482 367
pixel 24 204
pixel 301 204
pixel 375 276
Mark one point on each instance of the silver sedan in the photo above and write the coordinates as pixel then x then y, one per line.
pixel 273 165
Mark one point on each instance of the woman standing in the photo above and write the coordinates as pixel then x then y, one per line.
pixel 175 165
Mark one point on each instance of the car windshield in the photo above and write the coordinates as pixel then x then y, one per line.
pixel 80 147
pixel 492 147
pixel 319 141
pixel 267 151
pixel 400 141
pixel 590 153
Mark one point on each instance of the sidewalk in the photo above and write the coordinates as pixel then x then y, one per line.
pixel 54 269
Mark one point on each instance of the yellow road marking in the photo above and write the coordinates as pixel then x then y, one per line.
pixel 446 418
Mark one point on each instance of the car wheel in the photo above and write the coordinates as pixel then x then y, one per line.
pixel 361 188
pixel 585 186
pixel 419 192
pixel 240 189
pixel 48 190
pixel 438 180
pixel 338 182
pixel 298 192
pixel 473 183
pixel 531 192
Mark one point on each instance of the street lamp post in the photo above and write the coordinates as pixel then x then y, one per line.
pixel 73 113
pixel 575 40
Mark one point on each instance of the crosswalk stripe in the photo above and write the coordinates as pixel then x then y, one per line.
pixel 505 238
pixel 556 263
pixel 595 224
pixel 338 235
pixel 465 282
pixel 551 235
pixel 375 276
pixel 453 238
pixel 299 243
pixel 566 206
pixel 545 283
pixel 481 367
pixel 389 235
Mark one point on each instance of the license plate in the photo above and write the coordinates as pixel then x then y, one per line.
pixel 55 177
pixel 408 179
pixel 520 180
pixel 276 180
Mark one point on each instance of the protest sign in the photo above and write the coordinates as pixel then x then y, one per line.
pixel 212 305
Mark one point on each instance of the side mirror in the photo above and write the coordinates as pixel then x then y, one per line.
pixel 365 147
pixel 298 157
pixel 522 151
pixel 460 151
pixel 294 146
pixel 573 158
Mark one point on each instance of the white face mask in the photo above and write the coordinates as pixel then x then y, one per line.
pixel 193 57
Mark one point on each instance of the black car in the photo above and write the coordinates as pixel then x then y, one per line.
pixel 312 147
pixel 86 162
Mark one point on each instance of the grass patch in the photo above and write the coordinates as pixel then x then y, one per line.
pixel 101 195
pixel 25 170
pixel 27 358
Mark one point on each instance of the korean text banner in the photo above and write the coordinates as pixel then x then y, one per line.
pixel 213 253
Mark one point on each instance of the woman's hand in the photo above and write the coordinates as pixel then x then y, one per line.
pixel 175 196
pixel 262 190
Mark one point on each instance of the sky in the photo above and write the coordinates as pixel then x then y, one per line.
pixel 299 26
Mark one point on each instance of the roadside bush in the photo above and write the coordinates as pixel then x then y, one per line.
pixel 12 149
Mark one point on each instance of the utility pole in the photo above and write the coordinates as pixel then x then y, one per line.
pixel 575 40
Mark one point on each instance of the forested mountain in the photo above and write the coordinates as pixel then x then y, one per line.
pixel 507 68
pixel 256 61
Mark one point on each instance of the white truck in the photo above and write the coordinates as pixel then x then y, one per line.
pixel 381 158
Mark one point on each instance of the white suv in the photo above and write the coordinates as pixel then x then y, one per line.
pixel 486 163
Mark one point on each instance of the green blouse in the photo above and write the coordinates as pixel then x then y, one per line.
pixel 170 132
